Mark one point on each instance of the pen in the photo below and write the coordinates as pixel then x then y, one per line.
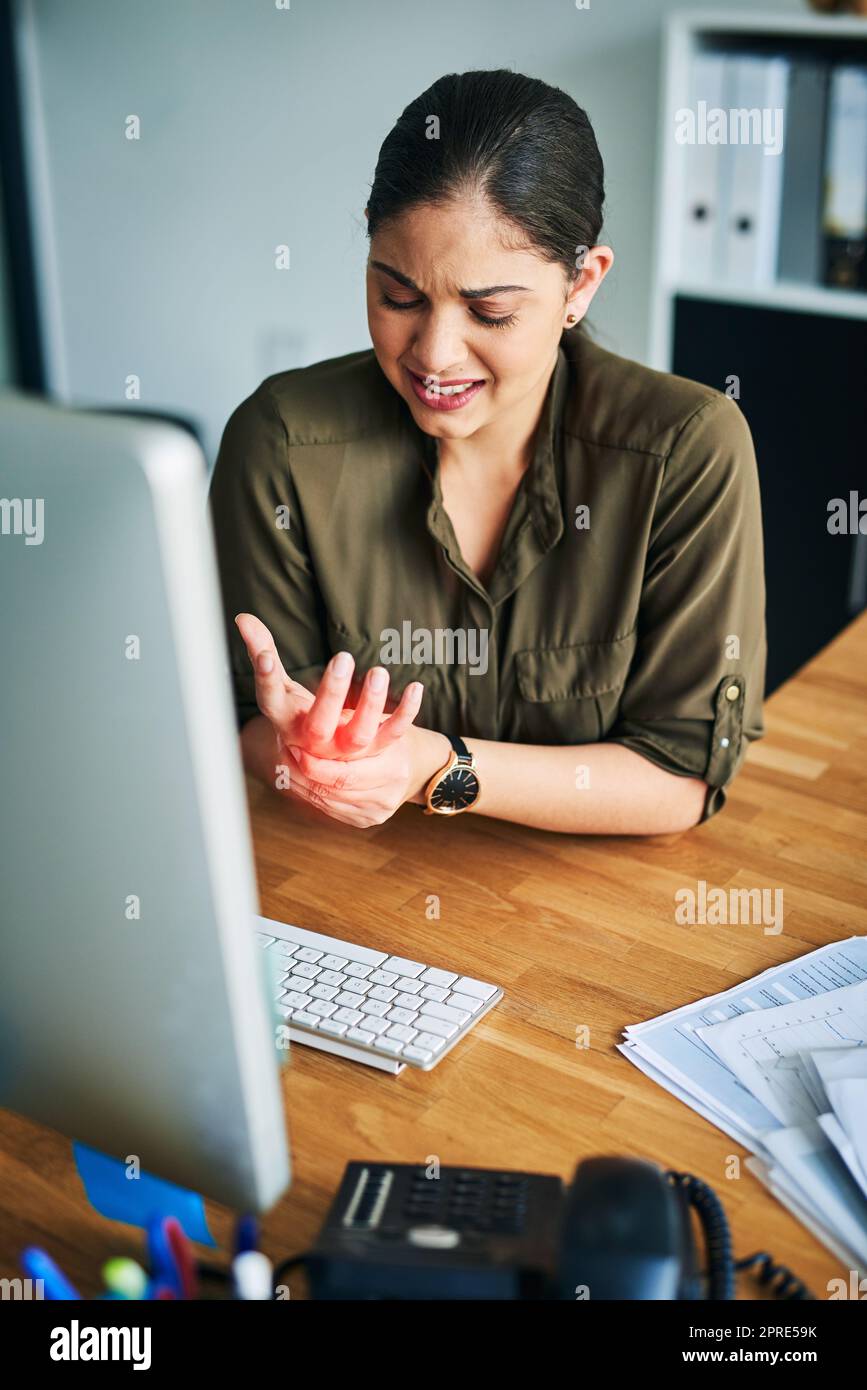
pixel 252 1275
pixel 163 1264
pixel 37 1264
pixel 183 1256
pixel 246 1235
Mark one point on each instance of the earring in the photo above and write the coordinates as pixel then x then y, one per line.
pixel 571 319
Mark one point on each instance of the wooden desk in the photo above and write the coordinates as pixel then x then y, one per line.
pixel 515 905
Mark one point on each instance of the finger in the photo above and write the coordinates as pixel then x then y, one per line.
pixel 357 733
pixel 276 693
pixel 324 714
pixel 397 723
pixel 314 795
pixel 338 776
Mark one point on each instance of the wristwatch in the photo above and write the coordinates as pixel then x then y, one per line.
pixel 455 787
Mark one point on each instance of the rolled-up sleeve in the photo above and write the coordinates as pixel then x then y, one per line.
pixel 262 554
pixel 693 696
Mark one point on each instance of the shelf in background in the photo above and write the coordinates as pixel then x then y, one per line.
pixel 806 299
pixel 798 351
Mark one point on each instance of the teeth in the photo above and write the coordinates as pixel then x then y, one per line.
pixel 436 390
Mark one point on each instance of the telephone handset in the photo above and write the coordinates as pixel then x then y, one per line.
pixel 627 1233
pixel 624 1229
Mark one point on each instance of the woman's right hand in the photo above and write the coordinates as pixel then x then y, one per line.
pixel 319 724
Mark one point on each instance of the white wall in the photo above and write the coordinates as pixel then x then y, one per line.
pixel 261 126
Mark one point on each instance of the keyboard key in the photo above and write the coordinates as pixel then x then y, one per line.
pixel 323 992
pixel 436 1025
pixel 349 1001
pixel 403 967
pixel 308 1020
pixel 294 1000
pixel 408 1001
pixel 297 982
pixel 308 954
pixel 360 972
pixel 414 1053
pixel 407 985
pixel 438 977
pixel 435 992
pixel 375 1007
pixel 329 1026
pixel 357 987
pixel 402 1015
pixel 429 1041
pixel 309 972
pixel 465 1001
pixel 401 1032
pixel 383 977
pixel 331 977
pixel 376 1025
pixel 466 985
pixel 282 948
pixel 323 1008
pixel 263 939
pixel 383 992
pixel 348 1016
pixel 443 1011
pixel 360 1035
pixel 335 963
pixel 387 1044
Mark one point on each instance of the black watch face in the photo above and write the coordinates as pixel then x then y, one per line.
pixel 458 790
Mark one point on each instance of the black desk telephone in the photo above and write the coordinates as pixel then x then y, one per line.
pixel 622 1230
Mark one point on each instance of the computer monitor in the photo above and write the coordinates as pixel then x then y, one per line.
pixel 134 1012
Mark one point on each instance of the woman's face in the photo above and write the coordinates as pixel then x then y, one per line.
pixel 448 302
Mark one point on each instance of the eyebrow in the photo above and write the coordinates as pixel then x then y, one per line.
pixel 465 294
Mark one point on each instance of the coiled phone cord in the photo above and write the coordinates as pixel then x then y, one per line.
pixel 717 1233
pixel 780 1280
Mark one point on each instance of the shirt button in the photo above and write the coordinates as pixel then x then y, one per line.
pixel 732 693
pixel 724 743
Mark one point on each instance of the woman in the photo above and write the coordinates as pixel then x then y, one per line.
pixel 545 557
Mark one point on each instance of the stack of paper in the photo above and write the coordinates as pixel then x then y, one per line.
pixel 780 1064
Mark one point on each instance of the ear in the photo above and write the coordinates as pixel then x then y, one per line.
pixel 365 212
pixel 597 264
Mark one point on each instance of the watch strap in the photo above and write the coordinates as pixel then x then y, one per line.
pixel 463 752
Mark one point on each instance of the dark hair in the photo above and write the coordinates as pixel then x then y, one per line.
pixel 527 147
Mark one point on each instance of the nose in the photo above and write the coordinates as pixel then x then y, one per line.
pixel 438 348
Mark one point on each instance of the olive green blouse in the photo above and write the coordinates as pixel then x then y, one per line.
pixel 626 605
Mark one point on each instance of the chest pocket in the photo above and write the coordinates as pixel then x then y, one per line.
pixel 571 694
pixel 373 651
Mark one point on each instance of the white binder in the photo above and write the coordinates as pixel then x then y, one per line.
pixel 753 172
pixel 700 210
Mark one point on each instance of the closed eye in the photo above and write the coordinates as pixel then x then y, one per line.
pixel 486 319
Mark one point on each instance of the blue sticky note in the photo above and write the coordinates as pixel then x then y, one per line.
pixel 136 1200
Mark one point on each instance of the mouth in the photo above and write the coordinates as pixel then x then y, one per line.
pixel 444 395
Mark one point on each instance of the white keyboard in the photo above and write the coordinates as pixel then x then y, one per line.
pixel 369 1006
